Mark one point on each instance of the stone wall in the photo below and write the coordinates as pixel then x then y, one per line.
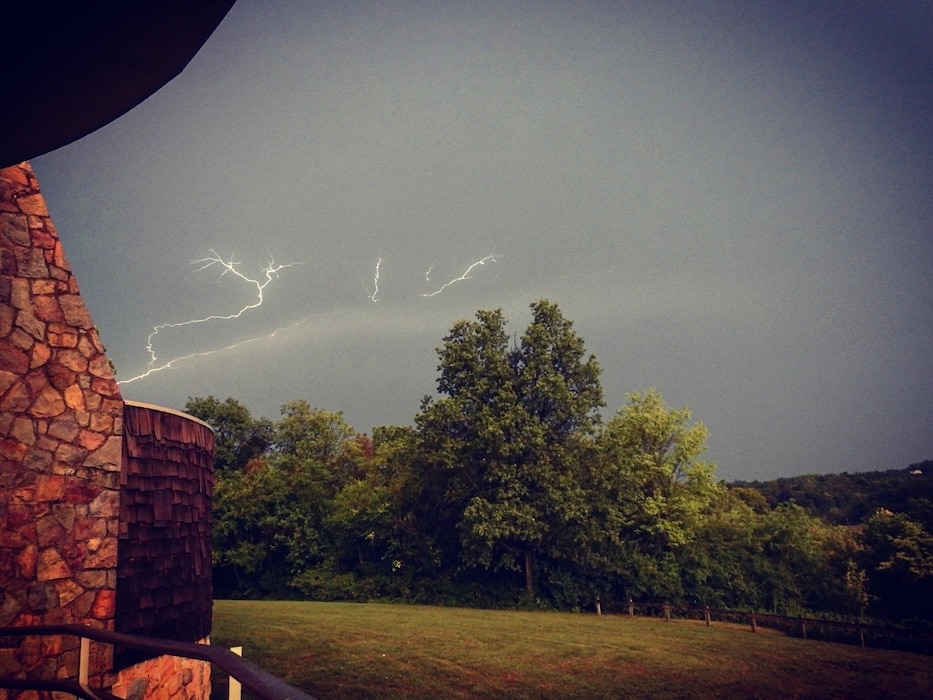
pixel 90 517
pixel 60 443
pixel 165 678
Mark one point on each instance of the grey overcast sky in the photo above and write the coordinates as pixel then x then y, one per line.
pixel 732 201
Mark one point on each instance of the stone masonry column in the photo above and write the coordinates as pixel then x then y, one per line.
pixel 60 446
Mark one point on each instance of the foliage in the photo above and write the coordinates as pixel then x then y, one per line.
pixel 848 499
pixel 503 437
pixel 648 490
pixel 881 563
pixel 898 559
pixel 510 491
pixel 306 434
pixel 238 437
pixel 267 528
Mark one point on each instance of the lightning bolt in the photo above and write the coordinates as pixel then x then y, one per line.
pixel 175 360
pixel 461 278
pixel 205 353
pixel 372 297
pixel 271 271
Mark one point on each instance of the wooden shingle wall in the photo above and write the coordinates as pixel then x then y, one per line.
pixel 164 550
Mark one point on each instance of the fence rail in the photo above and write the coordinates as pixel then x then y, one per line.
pixel 261 683
pixel 864 634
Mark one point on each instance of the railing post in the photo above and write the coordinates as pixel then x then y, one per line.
pixel 84 661
pixel 84 656
pixel 84 667
pixel 234 690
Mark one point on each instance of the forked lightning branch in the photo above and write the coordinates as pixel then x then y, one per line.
pixel 268 274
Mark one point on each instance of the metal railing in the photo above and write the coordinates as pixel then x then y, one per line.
pixel 261 683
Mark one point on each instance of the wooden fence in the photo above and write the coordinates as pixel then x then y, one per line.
pixel 882 636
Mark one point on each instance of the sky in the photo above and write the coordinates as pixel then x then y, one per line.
pixel 732 201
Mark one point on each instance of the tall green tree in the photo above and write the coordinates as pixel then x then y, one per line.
pixel 653 490
pixel 502 440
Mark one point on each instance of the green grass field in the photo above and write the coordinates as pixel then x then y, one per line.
pixel 339 651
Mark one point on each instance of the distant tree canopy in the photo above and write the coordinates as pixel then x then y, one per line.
pixel 510 490
pixel 848 499
pixel 238 437
pixel 891 516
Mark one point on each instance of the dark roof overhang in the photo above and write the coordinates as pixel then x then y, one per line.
pixel 73 67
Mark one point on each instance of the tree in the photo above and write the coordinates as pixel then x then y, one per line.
pixel 502 441
pixel 312 438
pixel 898 560
pixel 720 562
pixel 654 489
pixel 273 513
pixel 267 529
pixel 373 548
pixel 238 437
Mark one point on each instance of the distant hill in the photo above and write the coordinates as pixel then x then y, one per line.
pixel 846 498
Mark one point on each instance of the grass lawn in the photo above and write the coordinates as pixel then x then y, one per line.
pixel 339 651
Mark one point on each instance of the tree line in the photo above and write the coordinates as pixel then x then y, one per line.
pixel 849 498
pixel 510 489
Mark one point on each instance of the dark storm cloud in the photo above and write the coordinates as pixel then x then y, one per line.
pixel 732 201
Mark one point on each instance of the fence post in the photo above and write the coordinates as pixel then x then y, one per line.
pixel 803 627
pixel 631 608
pixel 233 693
pixel 706 615
pixel 667 612
pixel 754 623
pixel 599 608
pixel 861 633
